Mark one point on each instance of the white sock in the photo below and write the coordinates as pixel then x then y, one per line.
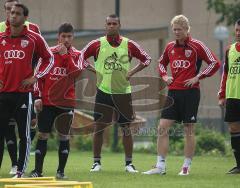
pixel 187 162
pixel 161 163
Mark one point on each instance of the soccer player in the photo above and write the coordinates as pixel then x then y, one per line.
pixel 229 95
pixel 56 100
pixel 112 55
pixel 184 55
pixel 17 46
pixel 10 135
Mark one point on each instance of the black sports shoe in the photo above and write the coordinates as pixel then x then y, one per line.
pixel 35 174
pixel 235 170
pixel 96 167
pixel 60 175
pixel 130 168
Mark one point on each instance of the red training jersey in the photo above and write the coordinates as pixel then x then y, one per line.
pixel 57 88
pixel 16 54
pixel 185 62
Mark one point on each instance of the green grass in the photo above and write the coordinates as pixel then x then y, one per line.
pixel 207 171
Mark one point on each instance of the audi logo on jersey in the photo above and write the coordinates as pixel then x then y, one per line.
pixel 181 64
pixel 112 66
pixel 235 70
pixel 14 54
pixel 59 71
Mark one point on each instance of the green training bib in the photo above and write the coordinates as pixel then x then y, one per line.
pixel 112 66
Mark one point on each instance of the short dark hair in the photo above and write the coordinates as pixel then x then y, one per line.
pixel 65 28
pixel 9 1
pixel 238 22
pixel 25 9
pixel 113 16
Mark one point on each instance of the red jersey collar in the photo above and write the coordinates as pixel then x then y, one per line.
pixel 185 42
pixel 24 31
pixel 115 40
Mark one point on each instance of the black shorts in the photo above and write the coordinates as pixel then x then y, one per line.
pixel 111 108
pixel 60 118
pixel 232 110
pixel 12 121
pixel 185 106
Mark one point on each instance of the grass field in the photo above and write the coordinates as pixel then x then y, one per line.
pixel 206 171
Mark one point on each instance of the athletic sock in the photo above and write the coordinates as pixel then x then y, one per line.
pixel 41 150
pixel 63 153
pixel 235 142
pixel 97 160
pixel 187 162
pixel 161 162
pixel 128 160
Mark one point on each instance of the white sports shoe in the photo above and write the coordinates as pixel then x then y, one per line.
pixel 18 175
pixel 161 171
pixel 13 170
pixel 96 167
pixel 184 171
pixel 131 168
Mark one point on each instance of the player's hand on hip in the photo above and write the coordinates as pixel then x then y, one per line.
pixel 62 49
pixel 167 79
pixel 128 76
pixel 1 84
pixel 191 82
pixel 29 82
pixel 38 105
pixel 222 102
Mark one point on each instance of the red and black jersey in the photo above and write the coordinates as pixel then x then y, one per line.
pixel 16 54
pixel 57 87
pixel 222 91
pixel 134 50
pixel 185 62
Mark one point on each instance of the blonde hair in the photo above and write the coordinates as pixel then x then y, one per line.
pixel 182 21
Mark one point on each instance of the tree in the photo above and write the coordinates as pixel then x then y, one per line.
pixel 229 11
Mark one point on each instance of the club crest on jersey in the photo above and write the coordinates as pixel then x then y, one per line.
pixel 3 42
pixel 172 52
pixel 188 53
pixel 24 43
